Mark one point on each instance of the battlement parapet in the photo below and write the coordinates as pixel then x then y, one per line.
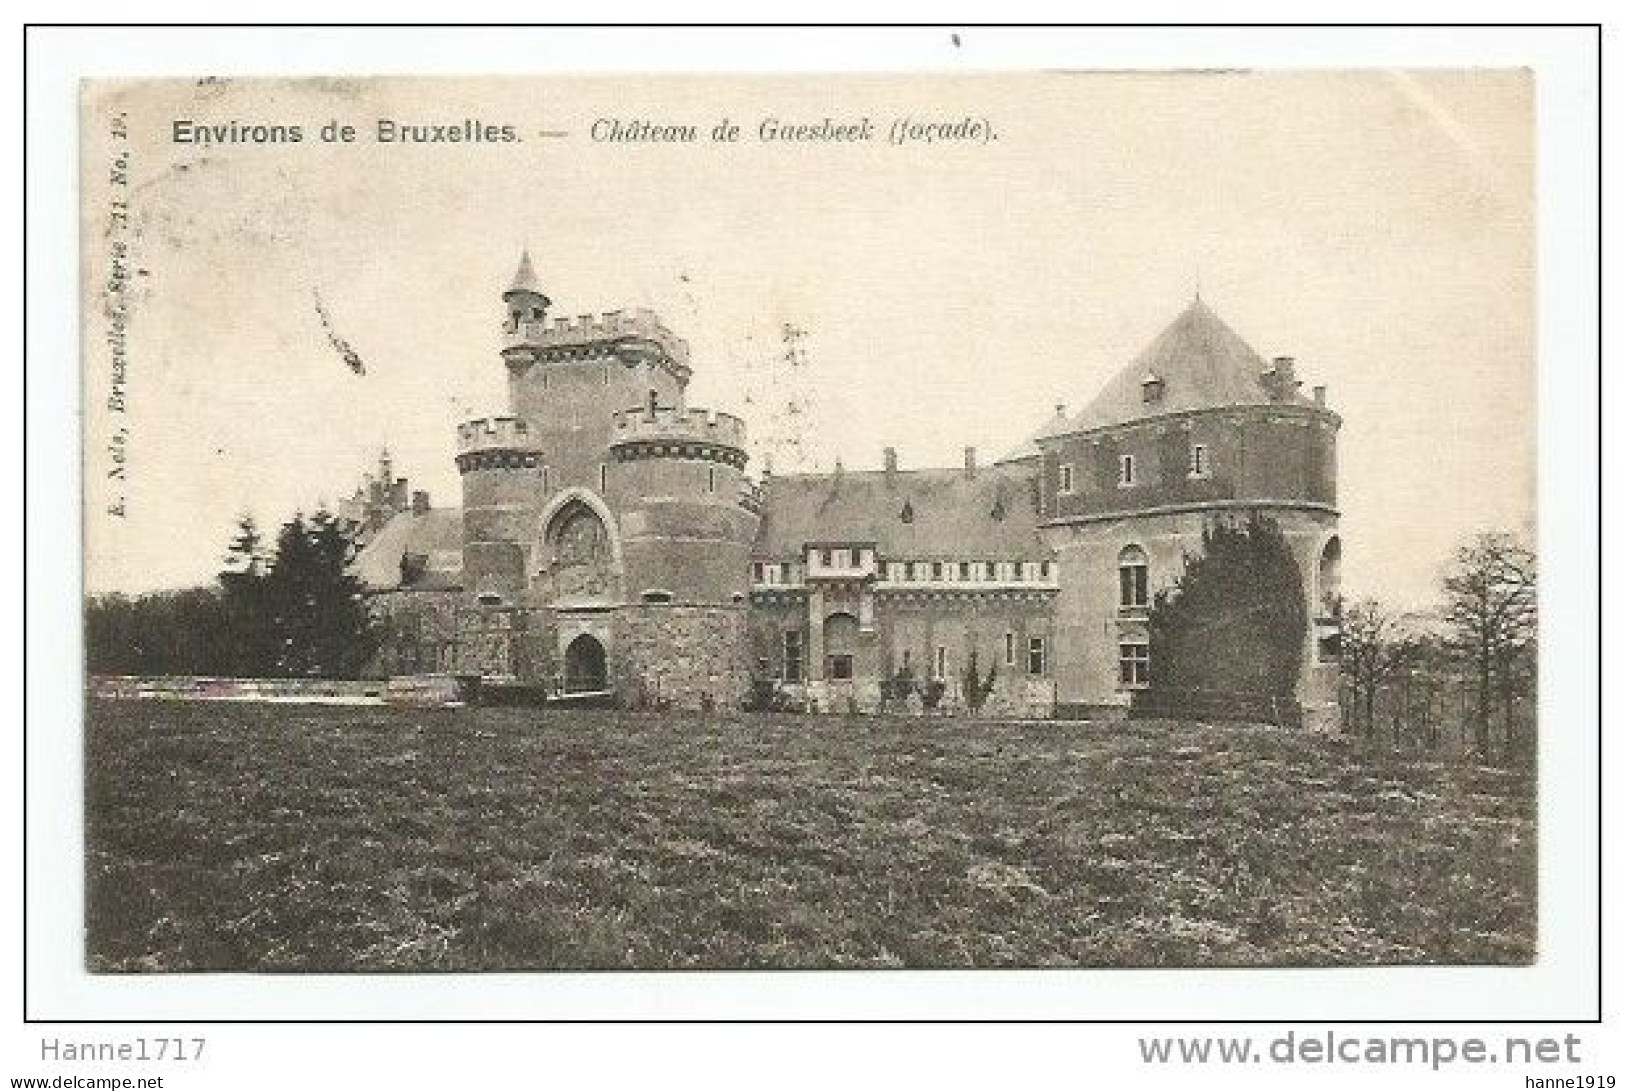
pixel 634 330
pixel 495 433
pixel 670 424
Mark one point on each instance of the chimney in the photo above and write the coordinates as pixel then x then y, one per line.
pixel 1320 396
pixel 420 501
pixel 970 462
pixel 1281 379
pixel 891 466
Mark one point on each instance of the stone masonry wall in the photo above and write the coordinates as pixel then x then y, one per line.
pixel 677 656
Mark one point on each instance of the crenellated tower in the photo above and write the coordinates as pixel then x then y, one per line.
pixel 607 525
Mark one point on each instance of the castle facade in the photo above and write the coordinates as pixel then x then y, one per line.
pixel 611 543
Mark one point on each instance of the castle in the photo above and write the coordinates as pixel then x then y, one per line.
pixel 610 542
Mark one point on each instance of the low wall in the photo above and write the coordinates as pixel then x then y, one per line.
pixel 286 690
pixel 1194 704
pixel 1013 698
pixel 433 690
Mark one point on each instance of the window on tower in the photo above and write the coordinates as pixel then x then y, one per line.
pixel 1133 578
pixel 1199 464
pixel 1133 664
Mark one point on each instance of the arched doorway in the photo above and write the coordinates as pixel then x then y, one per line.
pixel 1329 575
pixel 586 668
pixel 1328 619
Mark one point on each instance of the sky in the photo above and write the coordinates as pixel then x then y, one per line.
pixel 1377 226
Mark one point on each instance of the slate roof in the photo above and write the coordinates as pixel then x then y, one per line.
pixel 525 279
pixel 1203 364
pixel 436 536
pixel 952 515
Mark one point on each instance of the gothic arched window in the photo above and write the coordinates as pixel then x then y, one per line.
pixel 579 550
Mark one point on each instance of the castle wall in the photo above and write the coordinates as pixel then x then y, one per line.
pixel 688 657
pixel 769 618
pixel 567 395
pixel 1090 622
pixel 1285 454
pixel 420 630
pixel 907 629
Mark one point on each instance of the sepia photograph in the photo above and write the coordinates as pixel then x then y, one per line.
pixel 1025 520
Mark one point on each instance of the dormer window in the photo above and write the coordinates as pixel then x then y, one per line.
pixel 1151 388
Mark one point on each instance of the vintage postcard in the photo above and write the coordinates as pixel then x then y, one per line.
pixel 1065 520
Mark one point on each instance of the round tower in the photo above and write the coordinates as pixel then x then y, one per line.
pixel 688 518
pixel 1197 428
pixel 679 487
pixel 498 459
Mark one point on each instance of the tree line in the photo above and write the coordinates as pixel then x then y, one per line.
pixel 288 609
pixel 1481 642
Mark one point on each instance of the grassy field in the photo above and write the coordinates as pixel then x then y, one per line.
pixel 235 836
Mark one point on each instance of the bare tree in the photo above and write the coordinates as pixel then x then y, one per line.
pixel 1371 652
pixel 1490 604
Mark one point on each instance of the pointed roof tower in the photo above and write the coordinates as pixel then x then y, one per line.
pixel 525 282
pixel 1197 362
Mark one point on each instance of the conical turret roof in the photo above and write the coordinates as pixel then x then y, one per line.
pixel 1200 362
pixel 524 281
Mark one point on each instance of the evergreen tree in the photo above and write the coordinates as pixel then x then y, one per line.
pixel 1236 619
pixel 319 621
pixel 289 601
pixel 249 650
